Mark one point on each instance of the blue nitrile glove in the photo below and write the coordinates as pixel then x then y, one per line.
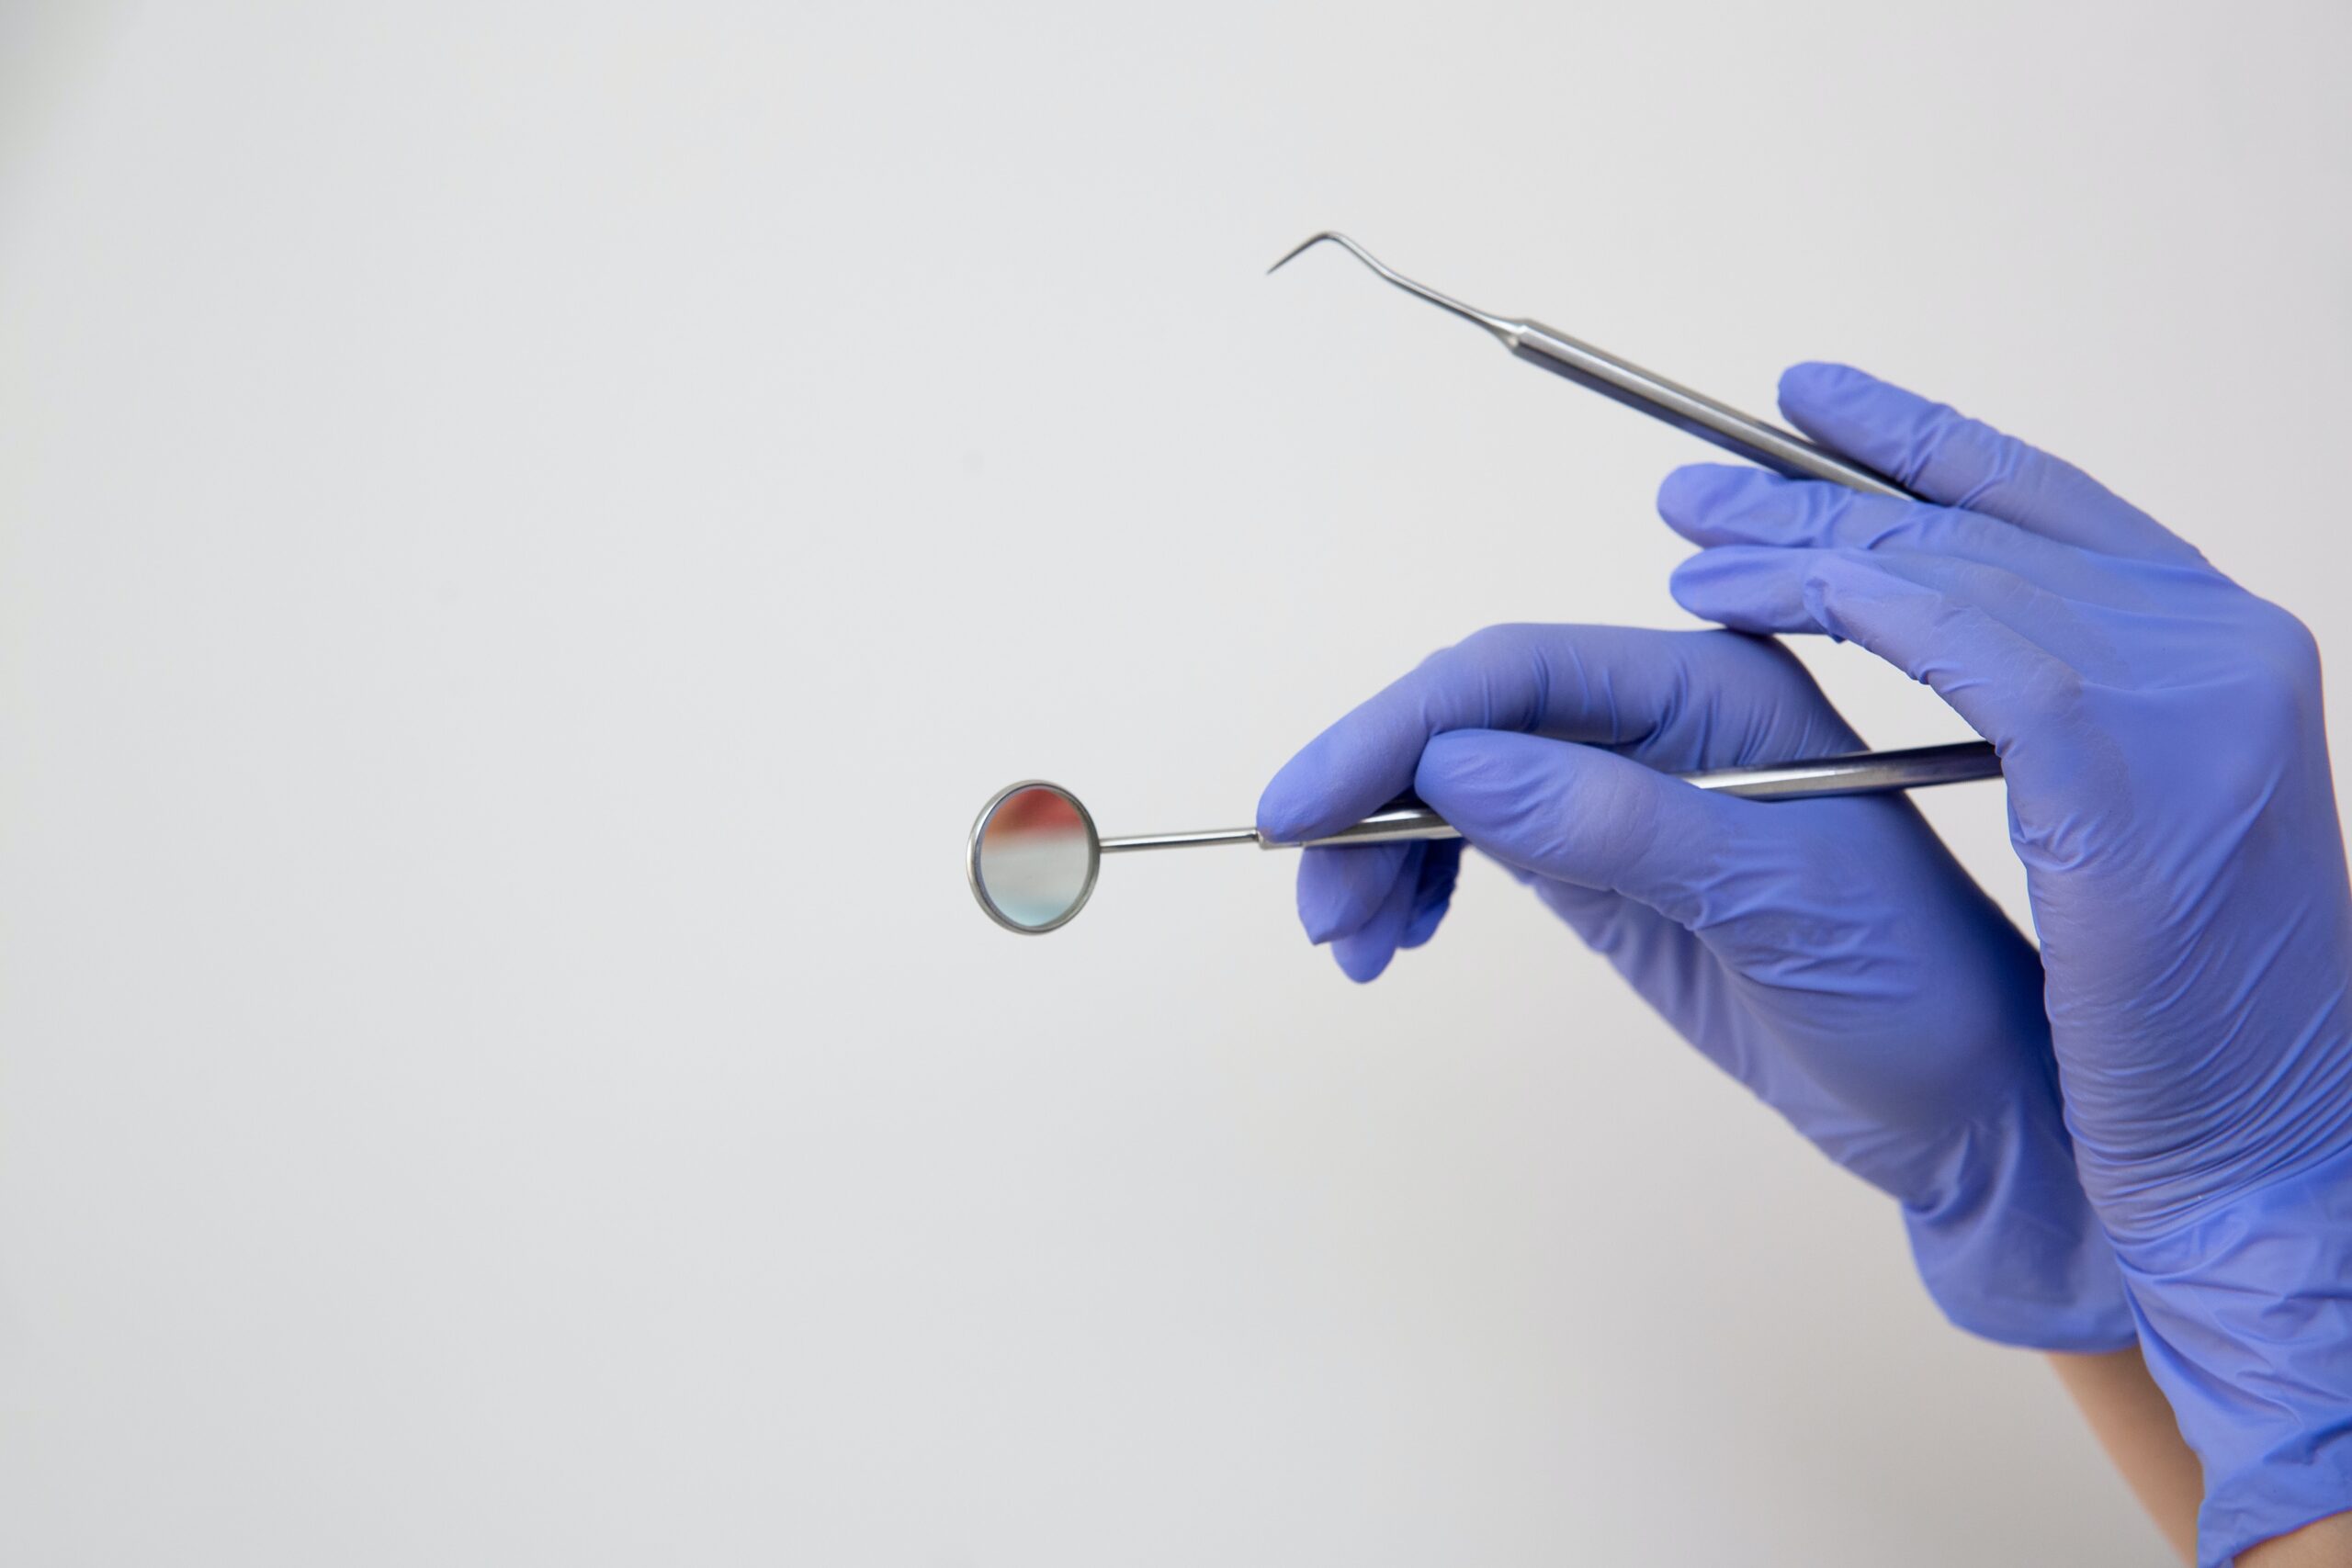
pixel 1829 955
pixel 2168 786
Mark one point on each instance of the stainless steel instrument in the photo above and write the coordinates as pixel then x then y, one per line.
pixel 1783 451
pixel 1034 852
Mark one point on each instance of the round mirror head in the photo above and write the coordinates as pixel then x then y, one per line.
pixel 1033 857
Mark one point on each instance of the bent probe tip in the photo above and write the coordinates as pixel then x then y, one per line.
pixel 1314 240
pixel 1506 330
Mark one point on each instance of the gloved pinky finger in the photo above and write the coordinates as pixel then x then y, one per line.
pixel 1362 954
pixel 1340 889
pixel 1595 914
pixel 1666 963
pixel 1441 866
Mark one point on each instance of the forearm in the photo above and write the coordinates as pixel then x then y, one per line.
pixel 2134 1424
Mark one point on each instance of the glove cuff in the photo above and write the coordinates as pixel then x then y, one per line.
pixel 2010 1248
pixel 2245 1319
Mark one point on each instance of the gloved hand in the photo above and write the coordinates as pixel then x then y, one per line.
pixel 1829 955
pixel 2169 794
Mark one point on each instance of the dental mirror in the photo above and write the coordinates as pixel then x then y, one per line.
pixel 1034 851
pixel 1033 856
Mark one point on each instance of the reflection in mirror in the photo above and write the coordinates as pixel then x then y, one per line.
pixel 1034 856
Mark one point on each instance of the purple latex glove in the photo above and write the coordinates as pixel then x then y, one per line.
pixel 1829 953
pixel 2169 794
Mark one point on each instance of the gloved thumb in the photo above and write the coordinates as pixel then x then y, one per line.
pixel 1580 815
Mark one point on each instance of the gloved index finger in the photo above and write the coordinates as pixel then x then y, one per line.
pixel 1602 685
pixel 1953 460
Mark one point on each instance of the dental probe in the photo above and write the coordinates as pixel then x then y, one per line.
pixel 1783 451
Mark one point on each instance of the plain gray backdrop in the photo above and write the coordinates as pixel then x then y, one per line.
pixel 526 531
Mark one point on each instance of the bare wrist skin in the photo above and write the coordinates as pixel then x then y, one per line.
pixel 2134 1424
pixel 2323 1543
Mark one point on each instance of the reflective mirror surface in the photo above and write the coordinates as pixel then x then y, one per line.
pixel 1033 858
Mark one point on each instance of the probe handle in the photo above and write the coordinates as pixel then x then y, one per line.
pixel 1783 451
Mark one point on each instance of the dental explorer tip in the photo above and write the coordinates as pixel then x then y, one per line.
pixel 1508 332
pixel 1313 239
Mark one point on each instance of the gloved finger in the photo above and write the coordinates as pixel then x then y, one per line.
pixel 1768 590
pixel 1716 505
pixel 1580 815
pixel 1669 968
pixel 1996 678
pixel 1634 937
pixel 1932 449
pixel 1683 700
pixel 1595 914
pixel 1440 869
pixel 1364 953
pixel 1340 889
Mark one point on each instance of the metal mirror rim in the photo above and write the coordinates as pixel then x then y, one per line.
pixel 980 830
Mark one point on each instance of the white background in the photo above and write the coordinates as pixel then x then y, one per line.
pixel 525 531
